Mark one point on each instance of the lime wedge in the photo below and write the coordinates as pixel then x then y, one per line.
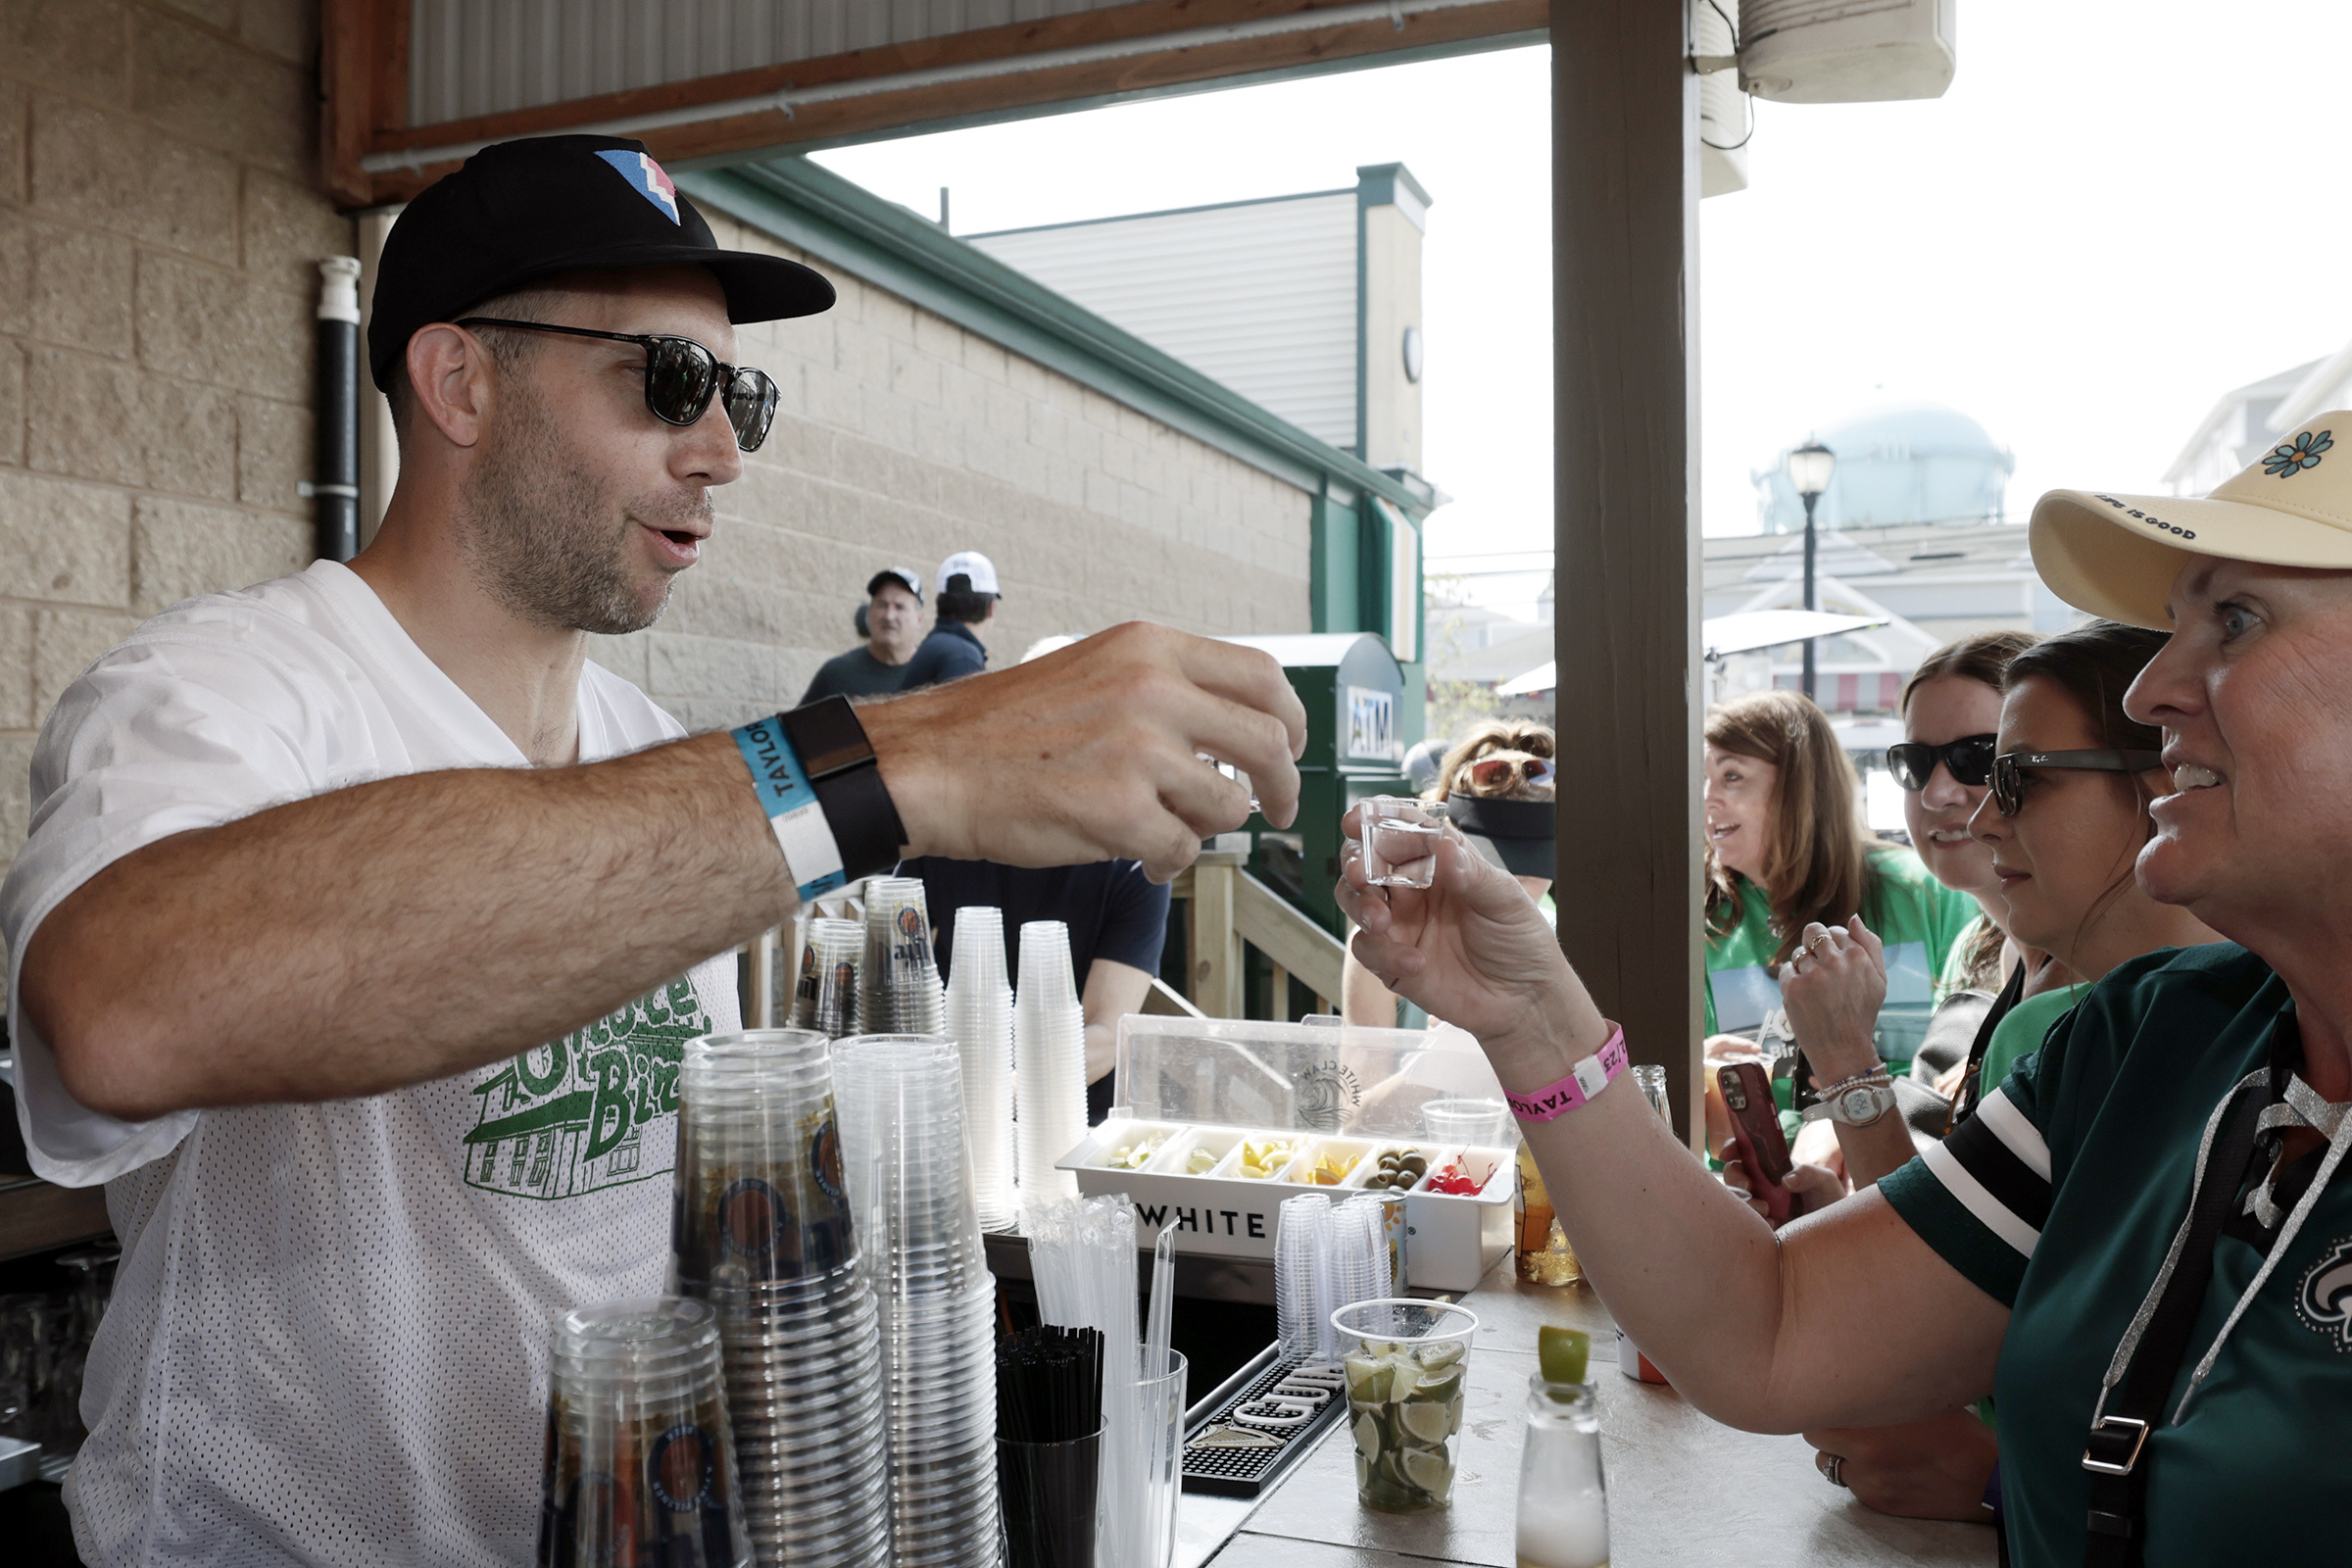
pixel 1367 1436
pixel 1429 1471
pixel 1442 1355
pixel 1406 1376
pixel 1563 1353
pixel 1430 1423
pixel 1367 1379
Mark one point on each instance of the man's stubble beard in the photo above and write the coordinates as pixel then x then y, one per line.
pixel 545 534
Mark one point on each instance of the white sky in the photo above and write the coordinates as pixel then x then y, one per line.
pixel 2116 213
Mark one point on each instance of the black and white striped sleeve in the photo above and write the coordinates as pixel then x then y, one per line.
pixel 1981 1197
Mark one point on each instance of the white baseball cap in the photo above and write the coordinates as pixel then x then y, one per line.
pixel 971 564
pixel 2116 556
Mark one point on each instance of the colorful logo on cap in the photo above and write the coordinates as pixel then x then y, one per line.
pixel 2290 457
pixel 647 178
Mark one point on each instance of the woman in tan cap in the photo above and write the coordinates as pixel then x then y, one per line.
pixel 2139 1241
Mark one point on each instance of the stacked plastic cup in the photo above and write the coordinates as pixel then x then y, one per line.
pixel 899 989
pixel 980 1022
pixel 762 1231
pixel 1049 1055
pixel 639 1463
pixel 902 1109
pixel 825 997
pixel 1306 1277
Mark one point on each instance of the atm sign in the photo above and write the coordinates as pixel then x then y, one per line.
pixel 1372 725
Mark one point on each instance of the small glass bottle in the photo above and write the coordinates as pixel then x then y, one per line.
pixel 1563 1500
pixel 1544 1255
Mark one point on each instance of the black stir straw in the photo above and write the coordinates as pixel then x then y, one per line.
pixel 1050 1385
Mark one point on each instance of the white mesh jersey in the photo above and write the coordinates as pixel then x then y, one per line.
pixel 328 1336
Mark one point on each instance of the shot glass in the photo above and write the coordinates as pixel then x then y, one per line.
pixel 1400 840
pixel 1463 1121
pixel 1408 1365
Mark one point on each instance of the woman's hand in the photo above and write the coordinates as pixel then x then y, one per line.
pixel 1472 948
pixel 1932 1469
pixel 1833 986
pixel 1809 1187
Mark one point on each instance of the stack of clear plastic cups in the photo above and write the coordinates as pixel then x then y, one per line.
pixel 1049 1055
pixel 762 1231
pixel 910 1185
pixel 899 989
pixel 639 1463
pixel 825 995
pixel 1303 1298
pixel 980 1022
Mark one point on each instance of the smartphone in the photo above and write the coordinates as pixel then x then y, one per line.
pixel 1747 1096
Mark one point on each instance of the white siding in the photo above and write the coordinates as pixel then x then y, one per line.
pixel 1260 295
pixel 482 57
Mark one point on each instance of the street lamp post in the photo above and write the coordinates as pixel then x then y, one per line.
pixel 1809 470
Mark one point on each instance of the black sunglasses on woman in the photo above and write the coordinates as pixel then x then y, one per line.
pixel 681 376
pixel 1970 759
pixel 2009 770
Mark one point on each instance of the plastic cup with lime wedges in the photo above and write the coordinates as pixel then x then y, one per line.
pixel 1408 1365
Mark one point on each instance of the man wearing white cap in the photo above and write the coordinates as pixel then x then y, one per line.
pixel 2143 1242
pixel 965 595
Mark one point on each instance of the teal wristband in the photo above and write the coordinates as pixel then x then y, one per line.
pixel 790 801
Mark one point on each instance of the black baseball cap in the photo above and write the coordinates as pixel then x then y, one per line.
pixel 898 575
pixel 522 209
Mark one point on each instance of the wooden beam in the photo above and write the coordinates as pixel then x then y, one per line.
pixel 347 97
pixel 1625 248
pixel 1214 947
pixel 771 128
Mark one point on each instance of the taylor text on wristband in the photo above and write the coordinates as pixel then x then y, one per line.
pixel 1586 1080
pixel 794 814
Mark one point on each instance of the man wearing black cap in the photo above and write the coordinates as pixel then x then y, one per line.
pixel 363 921
pixel 893 625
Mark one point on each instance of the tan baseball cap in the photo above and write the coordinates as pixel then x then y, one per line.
pixel 2116 556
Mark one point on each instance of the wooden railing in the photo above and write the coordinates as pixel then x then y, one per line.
pixel 1225 907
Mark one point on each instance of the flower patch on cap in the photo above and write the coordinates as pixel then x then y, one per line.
pixel 647 178
pixel 2288 457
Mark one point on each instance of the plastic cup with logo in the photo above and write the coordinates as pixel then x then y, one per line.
pixel 898 987
pixel 1400 837
pixel 640 1458
pixel 1408 1365
pixel 824 995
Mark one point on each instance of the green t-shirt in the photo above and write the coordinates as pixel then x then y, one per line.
pixel 1917 917
pixel 2022 1029
pixel 2060 1200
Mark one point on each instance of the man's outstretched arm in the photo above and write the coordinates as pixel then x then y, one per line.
pixel 412 928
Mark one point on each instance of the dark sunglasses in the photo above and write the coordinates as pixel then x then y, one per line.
pixel 1969 759
pixel 681 376
pixel 2009 770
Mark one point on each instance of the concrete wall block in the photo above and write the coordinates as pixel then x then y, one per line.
pixel 222 95
pixel 64 542
pixel 1103 493
pixel 287 228
pixel 915 375
pixel 117 173
pixel 286 28
pixel 886 417
pixel 273 454
pixel 861 354
pixel 15 270
pixel 12 403
pixel 986 360
pixel 67 642
pixel 15 791
pixel 190 438
pixel 939 436
pixel 73 46
pixel 14 106
pixel 16 669
pixel 104 419
pixel 939 337
pixel 210 326
pixel 832 397
pixel 81 289
pixel 624 657
pixel 888 316
pixel 701 716
pixel 710 666
pixel 181 549
pixel 221 14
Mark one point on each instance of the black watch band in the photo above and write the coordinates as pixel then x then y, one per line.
pixel 832 747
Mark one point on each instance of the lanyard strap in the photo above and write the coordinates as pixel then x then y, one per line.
pixel 2130 1408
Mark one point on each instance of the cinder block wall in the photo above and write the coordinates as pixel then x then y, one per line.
pixel 902 437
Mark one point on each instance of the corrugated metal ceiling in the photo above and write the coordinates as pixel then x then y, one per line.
pixel 481 57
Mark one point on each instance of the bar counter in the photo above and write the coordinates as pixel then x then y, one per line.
pixel 1684 1489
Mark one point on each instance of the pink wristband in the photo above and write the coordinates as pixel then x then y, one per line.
pixel 1584 1082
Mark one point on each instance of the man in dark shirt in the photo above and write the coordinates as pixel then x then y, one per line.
pixel 966 600
pixel 1118 920
pixel 894 619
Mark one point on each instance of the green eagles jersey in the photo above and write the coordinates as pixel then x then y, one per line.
pixel 1918 918
pixel 2060 1198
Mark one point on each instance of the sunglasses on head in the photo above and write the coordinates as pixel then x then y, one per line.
pixel 2009 770
pixel 1969 759
pixel 681 376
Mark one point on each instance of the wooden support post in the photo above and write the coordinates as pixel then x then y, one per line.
pixel 1278 996
pixel 1216 946
pixel 1625 287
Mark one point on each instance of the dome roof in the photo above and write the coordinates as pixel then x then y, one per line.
pixel 1898 463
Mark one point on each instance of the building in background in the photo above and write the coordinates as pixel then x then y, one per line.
pixel 1905 462
pixel 2246 421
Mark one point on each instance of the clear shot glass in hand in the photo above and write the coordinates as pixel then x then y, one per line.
pixel 1401 841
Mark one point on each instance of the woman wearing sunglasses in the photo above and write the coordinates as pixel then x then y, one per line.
pixel 2143 1240
pixel 2062 817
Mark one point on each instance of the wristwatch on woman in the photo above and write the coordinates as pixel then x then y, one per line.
pixel 1856 1103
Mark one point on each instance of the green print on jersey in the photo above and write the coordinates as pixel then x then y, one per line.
pixel 566 1118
